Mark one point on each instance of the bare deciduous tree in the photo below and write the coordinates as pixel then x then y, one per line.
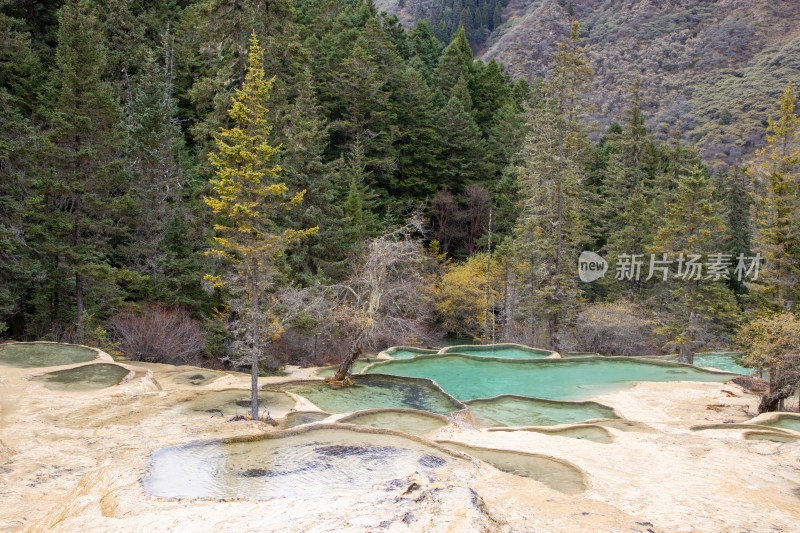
pixel 477 199
pixel 444 207
pixel 619 328
pixel 384 295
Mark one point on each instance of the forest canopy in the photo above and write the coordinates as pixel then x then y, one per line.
pixel 120 122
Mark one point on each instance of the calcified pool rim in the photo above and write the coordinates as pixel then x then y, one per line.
pixel 285 420
pixel 772 436
pixel 743 426
pixel 470 462
pixel 352 418
pixel 465 349
pixel 389 352
pixel 752 431
pixel 563 430
pixel 773 420
pixel 568 403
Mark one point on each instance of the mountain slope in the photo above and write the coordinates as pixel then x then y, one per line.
pixel 713 68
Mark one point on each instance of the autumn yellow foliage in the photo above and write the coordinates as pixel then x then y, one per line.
pixel 459 297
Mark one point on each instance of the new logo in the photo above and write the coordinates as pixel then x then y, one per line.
pixel 591 266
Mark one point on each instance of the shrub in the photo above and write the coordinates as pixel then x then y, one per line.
pixel 159 335
pixel 773 343
pixel 460 299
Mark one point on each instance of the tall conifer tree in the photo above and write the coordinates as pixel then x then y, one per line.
pixel 75 207
pixel 246 194
pixel 778 235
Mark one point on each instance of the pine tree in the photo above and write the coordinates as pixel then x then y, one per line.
pixel 571 75
pixel 246 194
pixel 549 231
pixel 215 45
pixel 75 207
pixel 361 109
pixel 521 93
pixel 736 195
pixel 303 138
pixel 417 141
pixel 497 17
pixel 455 62
pixel 462 147
pixel 228 23
pixel 492 93
pixel 631 233
pixel 359 200
pixel 153 146
pixel 693 226
pixel 778 207
pixel 425 49
pixel 626 213
pixel 19 147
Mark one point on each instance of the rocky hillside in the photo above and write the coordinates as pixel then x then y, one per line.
pixel 713 68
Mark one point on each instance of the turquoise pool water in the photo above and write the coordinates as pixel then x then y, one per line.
pixel 722 361
pixel 84 378
pixel 373 392
pixel 719 360
pixel 785 422
pixel 522 411
pixel 500 350
pixel 467 378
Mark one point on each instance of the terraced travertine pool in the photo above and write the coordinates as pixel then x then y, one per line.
pixel 84 378
pixel 504 394
pixel 407 354
pixel 467 378
pixel 358 366
pixel 722 361
pixel 785 421
pixel 43 354
pixel 318 462
pixel 230 402
pixel 373 392
pixel 556 474
pixel 524 411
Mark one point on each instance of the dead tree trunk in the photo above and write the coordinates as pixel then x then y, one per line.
pixel 488 280
pixel 346 366
pixel 256 336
